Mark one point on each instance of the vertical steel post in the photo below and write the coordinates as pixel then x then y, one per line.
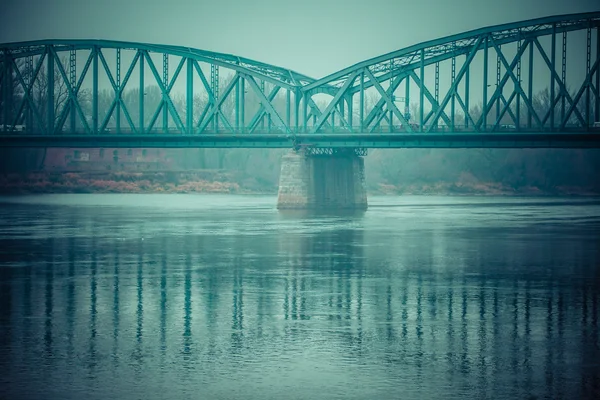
pixel 361 100
pixel 390 112
pixel 212 87
pixel 73 82
pixel 498 73
pixel 287 107
pixel 262 118
pixel 50 72
pixel 95 92
pixel 242 103
pixel 305 113
pixel 553 67
pixel 421 87
pixel 214 83
pixel 530 86
pixel 29 115
pixel 597 107
pixel 217 96
pixel 563 77
pixel 189 97
pixel 453 100
pixel 142 90
pixel 236 104
pixel 588 79
pixel 485 84
pixel 6 91
pixel 297 99
pixel 597 104
pixel 166 85
pixel 350 110
pixel 467 90
pixel 518 110
pixel 333 119
pixel 407 100
pixel 436 87
pixel 119 98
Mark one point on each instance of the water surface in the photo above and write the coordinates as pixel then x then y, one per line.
pixel 223 297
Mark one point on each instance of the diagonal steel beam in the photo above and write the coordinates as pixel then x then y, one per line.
pixel 215 111
pixel 380 116
pixel 261 110
pixel 391 106
pixel 72 94
pixel 553 104
pixel 465 109
pixel 379 105
pixel 338 96
pixel 342 118
pixel 165 93
pixel 498 92
pixel 505 109
pixel 163 103
pixel 562 87
pixel 586 83
pixel 516 81
pixel 209 92
pixel 453 88
pixel 28 88
pixel 434 104
pixel 266 103
pixel 211 95
pixel 315 110
pixel 118 91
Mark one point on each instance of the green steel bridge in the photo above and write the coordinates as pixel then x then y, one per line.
pixel 533 83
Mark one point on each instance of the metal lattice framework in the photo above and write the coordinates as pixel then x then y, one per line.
pixel 505 83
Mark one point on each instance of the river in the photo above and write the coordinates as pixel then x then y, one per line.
pixel 223 297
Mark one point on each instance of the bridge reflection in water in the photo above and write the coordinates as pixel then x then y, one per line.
pixel 307 306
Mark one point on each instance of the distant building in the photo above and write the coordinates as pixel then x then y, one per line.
pixel 107 159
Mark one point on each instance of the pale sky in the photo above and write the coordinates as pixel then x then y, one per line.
pixel 314 37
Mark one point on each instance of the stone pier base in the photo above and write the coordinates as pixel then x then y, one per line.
pixel 322 182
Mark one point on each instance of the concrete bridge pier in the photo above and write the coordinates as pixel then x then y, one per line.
pixel 322 179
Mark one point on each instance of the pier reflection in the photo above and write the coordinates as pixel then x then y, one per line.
pixel 321 290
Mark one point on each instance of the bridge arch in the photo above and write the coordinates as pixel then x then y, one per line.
pixel 485 80
pixel 409 68
pixel 41 86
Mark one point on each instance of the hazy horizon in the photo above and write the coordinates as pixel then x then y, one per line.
pixel 315 38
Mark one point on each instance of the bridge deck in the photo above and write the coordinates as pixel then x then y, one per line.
pixel 370 140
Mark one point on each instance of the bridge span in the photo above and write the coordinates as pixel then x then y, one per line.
pixel 531 84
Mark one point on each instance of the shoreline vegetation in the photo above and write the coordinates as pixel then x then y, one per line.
pixel 237 182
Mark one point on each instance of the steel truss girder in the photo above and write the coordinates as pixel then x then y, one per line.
pixel 398 66
pixel 27 88
pixel 563 89
pixel 500 84
pixel 270 73
pixel 265 102
pixel 333 103
pixel 73 91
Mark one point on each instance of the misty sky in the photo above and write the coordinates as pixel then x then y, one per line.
pixel 315 37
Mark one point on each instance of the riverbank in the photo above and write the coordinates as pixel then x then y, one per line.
pixel 201 181
pixel 239 182
pixel 478 189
